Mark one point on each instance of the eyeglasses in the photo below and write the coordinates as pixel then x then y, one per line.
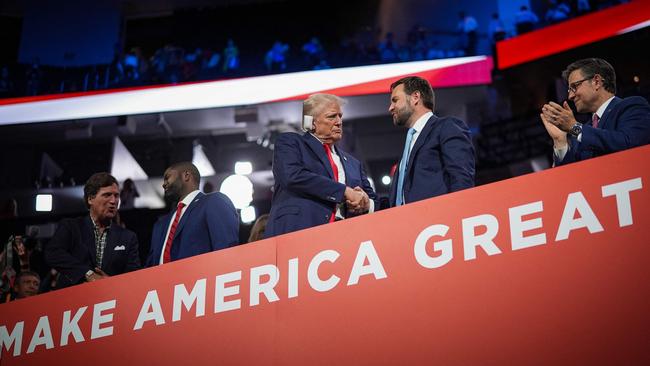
pixel 573 87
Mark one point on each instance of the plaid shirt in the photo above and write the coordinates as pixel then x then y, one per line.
pixel 100 241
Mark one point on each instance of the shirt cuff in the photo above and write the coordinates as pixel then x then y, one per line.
pixel 560 153
pixel 371 208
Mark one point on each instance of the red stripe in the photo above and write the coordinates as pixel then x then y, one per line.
pixel 571 34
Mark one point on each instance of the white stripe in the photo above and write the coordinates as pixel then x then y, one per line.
pixel 224 93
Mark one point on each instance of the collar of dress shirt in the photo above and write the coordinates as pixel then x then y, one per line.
pixel 419 124
pixel 190 197
pixel 602 107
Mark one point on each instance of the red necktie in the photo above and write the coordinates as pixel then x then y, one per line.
pixel 594 120
pixel 335 170
pixel 172 231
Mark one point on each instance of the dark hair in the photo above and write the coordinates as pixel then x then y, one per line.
pixel 95 183
pixel 592 66
pixel 416 83
pixel 257 232
pixel 186 166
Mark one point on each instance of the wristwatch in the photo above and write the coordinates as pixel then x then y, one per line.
pixel 576 129
pixel 89 273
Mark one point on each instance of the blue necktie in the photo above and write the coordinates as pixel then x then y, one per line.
pixel 402 168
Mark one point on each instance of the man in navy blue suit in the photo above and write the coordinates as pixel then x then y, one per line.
pixel 315 181
pixel 200 223
pixel 616 124
pixel 93 247
pixel 438 155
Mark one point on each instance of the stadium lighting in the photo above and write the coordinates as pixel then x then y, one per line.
pixel 43 202
pixel 239 189
pixel 243 167
pixel 248 214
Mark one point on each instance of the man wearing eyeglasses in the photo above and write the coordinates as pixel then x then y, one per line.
pixel 616 124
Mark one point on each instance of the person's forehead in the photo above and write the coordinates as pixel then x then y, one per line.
pixel 332 107
pixel 575 75
pixel 398 89
pixel 169 172
pixel 111 188
pixel 29 278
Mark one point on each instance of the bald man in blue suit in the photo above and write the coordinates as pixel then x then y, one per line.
pixel 199 224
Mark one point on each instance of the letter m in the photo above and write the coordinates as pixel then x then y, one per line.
pixel 15 338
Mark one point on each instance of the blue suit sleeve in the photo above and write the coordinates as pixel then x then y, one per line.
pixel 223 222
pixel 632 129
pixel 290 172
pixel 457 155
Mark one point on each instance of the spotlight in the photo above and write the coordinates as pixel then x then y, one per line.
pixel 43 202
pixel 239 189
pixel 385 180
pixel 243 167
pixel 248 214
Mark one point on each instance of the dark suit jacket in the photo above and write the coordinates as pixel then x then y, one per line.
pixel 441 161
pixel 625 124
pixel 72 252
pixel 209 223
pixel 305 193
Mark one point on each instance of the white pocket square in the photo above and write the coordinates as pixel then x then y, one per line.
pixel 120 247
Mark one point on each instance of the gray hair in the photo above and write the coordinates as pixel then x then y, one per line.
pixel 315 103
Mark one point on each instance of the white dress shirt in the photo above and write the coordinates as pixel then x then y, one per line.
pixel 418 126
pixel 187 200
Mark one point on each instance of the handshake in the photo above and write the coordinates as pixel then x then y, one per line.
pixel 357 200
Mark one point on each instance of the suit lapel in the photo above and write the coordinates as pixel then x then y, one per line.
pixel 605 118
pixel 318 149
pixel 187 213
pixel 428 127
pixel 88 238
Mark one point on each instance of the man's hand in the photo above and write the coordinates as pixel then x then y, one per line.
pixel 558 136
pixel 98 274
pixel 560 116
pixel 358 201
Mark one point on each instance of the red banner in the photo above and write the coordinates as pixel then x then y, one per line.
pixel 547 268
pixel 574 33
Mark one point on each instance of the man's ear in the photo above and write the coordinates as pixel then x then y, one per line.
pixel 415 97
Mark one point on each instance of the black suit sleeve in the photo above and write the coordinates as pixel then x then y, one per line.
pixel 133 253
pixel 59 254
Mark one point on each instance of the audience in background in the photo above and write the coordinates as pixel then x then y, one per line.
pixel 369 45
pixel 468 28
pixel 525 20
pixel 557 12
pixel 230 57
pixel 276 58
pixel 26 284
pixel 128 195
